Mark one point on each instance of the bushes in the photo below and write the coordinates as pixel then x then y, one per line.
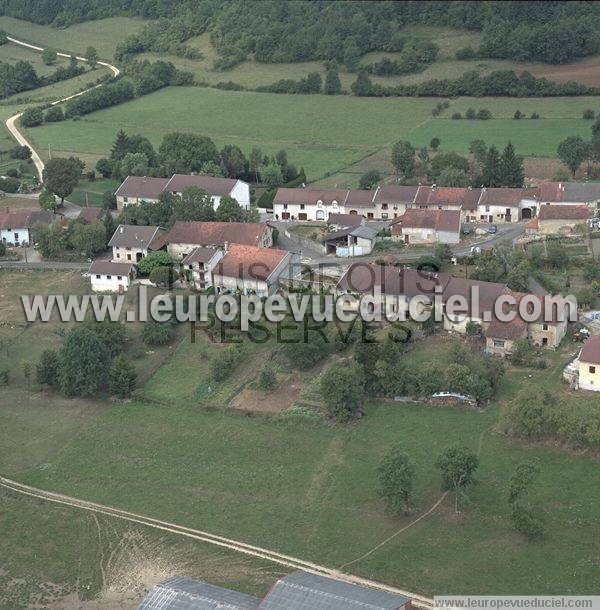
pixel 9 185
pixel 342 389
pixel 157 333
pixel 163 276
pixel 223 364
pixel 54 114
pixel 110 94
pixel 32 117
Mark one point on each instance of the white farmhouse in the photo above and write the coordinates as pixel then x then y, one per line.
pixel 15 227
pixel 136 189
pixel 217 188
pixel 107 276
pixel 417 226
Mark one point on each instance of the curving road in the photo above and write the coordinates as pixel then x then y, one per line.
pixel 11 123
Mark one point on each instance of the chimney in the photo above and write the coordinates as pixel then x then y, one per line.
pixel 226 246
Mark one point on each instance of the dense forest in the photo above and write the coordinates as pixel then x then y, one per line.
pixel 300 30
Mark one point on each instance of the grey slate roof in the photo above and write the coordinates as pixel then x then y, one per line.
pixel 364 232
pixel 581 191
pixel 133 236
pixel 201 254
pixel 304 591
pixel 181 593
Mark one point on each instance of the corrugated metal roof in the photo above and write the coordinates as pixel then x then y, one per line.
pixel 304 591
pixel 181 593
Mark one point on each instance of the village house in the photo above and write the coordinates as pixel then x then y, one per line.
pixel 345 221
pixel 184 236
pixel 106 276
pixel 570 193
pixel 422 226
pixel 356 241
pixel 251 270
pixel 136 189
pixel 15 227
pixel 397 286
pixel 589 365
pixel 308 204
pixel 560 219
pixel 216 187
pixel 296 591
pixel 197 267
pixel 131 243
pixel 90 213
pixel 394 200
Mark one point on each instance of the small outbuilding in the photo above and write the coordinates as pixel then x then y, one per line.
pixel 589 365
pixel 107 276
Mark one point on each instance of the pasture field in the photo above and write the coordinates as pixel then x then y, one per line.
pixel 12 53
pixel 299 486
pixel 103 34
pixel 323 134
pixel 91 193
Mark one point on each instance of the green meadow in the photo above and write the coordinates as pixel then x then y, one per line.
pixel 323 134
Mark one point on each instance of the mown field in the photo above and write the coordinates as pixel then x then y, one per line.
pixel 323 134
pixel 295 485
pixel 12 53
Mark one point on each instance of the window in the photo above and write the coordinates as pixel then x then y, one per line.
pixel 109 277
pixel 592 369
pixel 384 206
pixel 285 206
pixel 125 199
pixel 129 257
pixel 301 206
pixel 98 277
pixel 545 327
pixel 384 215
pixel 119 277
pixel 118 255
pixel 498 343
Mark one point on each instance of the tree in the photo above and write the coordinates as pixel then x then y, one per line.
pixel 332 85
pixel 234 161
pixel 104 167
pixel 160 258
pixel 193 204
pixel 512 173
pixel 491 174
pixel 271 175
pixel 88 238
pixel 267 379
pixel 185 152
pixel 121 146
pixel 157 333
pixel 47 368
pixel 478 149
pixel 47 201
pixel 255 161
pixel 457 465
pixel 518 277
pixel 403 158
pixel 396 480
pixel 122 377
pixel 443 252
pixel 556 254
pixel 48 56
pixel 32 117
pixel 452 177
pixel 435 143
pixel 54 114
pixel 230 210
pixel 91 55
pixel 111 332
pixel 134 164
pixel 84 362
pixel 523 513
pixel 2 249
pixel 210 168
pixel 362 86
pixel 26 365
pixel 369 179
pixel 448 160
pixel 163 276
pixel 342 389
pixel 61 176
pixel 573 151
pixel 49 238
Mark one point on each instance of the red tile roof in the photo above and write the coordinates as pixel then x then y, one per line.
pixel 216 233
pixel 505 197
pixel 218 187
pixel 440 195
pixel 551 191
pixel 25 219
pixel 310 196
pixel 591 350
pixel 564 212
pixel 90 213
pixel 440 220
pixel 396 194
pixel 515 329
pixel 250 262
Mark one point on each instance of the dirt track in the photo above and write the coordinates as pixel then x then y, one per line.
pixel 241 547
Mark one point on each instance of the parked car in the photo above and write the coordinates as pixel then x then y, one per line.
pixel 493 229
pixel 466 230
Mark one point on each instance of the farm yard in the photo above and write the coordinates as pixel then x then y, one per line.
pixel 314 129
pixel 296 484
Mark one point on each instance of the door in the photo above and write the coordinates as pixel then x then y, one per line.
pixel 302 216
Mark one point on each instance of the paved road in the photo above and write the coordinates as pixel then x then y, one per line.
pixel 11 122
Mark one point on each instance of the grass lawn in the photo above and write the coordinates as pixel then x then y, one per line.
pixel 91 193
pixel 103 34
pixel 12 53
